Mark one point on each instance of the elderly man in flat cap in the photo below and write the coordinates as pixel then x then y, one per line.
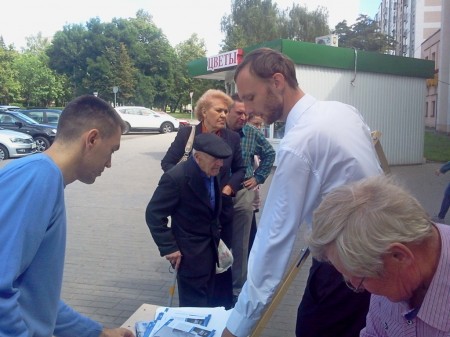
pixel 190 194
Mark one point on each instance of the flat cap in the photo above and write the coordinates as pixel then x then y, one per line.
pixel 213 145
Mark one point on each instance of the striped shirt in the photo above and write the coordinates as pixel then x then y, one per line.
pixel 432 319
pixel 254 143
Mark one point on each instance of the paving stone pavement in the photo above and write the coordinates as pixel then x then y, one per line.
pixel 112 264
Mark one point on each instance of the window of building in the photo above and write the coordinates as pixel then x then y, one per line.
pixel 426 109
pixel 433 108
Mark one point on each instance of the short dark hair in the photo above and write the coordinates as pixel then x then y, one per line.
pixel 235 97
pixel 88 112
pixel 264 62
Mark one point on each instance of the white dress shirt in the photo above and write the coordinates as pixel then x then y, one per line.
pixel 326 144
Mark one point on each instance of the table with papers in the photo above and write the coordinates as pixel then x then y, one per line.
pixel 155 321
pixel 145 312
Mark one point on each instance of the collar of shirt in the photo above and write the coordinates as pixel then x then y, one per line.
pixel 297 110
pixel 209 184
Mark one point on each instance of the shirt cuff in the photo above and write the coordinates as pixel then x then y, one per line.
pixel 239 325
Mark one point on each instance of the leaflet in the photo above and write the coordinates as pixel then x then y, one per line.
pixel 184 321
pixel 179 328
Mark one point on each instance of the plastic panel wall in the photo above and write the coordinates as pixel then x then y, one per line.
pixel 394 105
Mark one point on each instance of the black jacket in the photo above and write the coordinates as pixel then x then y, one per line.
pixel 182 195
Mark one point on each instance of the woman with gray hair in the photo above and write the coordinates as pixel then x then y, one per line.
pixel 211 110
pixel 381 240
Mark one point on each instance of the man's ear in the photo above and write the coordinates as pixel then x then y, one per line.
pixel 278 80
pixel 91 137
pixel 400 253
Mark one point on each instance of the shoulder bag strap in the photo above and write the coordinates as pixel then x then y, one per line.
pixel 190 141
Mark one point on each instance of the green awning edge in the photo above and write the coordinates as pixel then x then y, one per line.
pixel 313 54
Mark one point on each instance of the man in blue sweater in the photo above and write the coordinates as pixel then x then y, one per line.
pixel 33 223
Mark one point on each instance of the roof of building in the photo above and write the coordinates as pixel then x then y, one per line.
pixel 306 53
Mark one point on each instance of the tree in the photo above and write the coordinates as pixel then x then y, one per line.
pixel 37 43
pixel 153 57
pixel 186 51
pixel 113 68
pixel 301 25
pixel 9 83
pixel 344 32
pixel 255 21
pixel 364 34
pixel 125 73
pixel 121 53
pixel 67 55
pixel 39 84
pixel 250 22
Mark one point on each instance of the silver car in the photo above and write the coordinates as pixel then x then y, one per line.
pixel 15 144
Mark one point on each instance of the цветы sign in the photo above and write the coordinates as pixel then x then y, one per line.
pixel 225 60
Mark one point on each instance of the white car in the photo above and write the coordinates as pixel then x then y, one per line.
pixel 138 118
pixel 15 144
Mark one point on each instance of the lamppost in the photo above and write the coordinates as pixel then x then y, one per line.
pixel 192 108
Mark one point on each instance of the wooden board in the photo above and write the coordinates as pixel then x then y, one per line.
pixel 285 284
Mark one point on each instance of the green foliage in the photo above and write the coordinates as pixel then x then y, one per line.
pixel 37 44
pixel 191 49
pixel 364 34
pixel 9 83
pixel 250 22
pixel 126 53
pixel 301 25
pixel 135 56
pixel 255 21
pixel 436 146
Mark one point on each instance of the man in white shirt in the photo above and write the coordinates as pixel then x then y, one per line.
pixel 326 144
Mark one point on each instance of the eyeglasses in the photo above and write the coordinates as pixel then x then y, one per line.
pixel 358 289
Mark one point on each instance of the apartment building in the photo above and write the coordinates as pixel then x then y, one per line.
pixel 410 22
pixel 430 51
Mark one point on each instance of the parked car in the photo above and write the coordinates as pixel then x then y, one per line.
pixel 43 134
pixel 15 144
pixel 138 118
pixel 9 107
pixel 44 116
pixel 183 122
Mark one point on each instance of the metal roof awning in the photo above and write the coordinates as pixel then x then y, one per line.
pixel 306 53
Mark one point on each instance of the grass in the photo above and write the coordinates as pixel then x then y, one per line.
pixel 436 146
pixel 181 115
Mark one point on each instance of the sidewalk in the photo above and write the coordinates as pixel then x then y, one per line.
pixel 112 264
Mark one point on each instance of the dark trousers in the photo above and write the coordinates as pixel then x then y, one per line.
pixel 328 308
pixel 223 284
pixel 196 291
pixel 252 233
pixel 445 203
